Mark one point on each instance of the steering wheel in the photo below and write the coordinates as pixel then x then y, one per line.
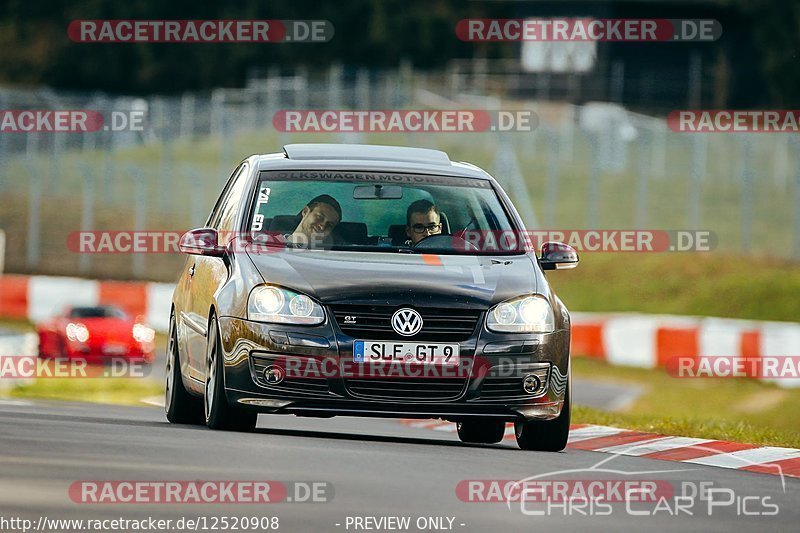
pixel 450 242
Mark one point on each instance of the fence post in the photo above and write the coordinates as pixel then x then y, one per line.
pixel 32 145
pixel 643 180
pixel 272 84
pixel 187 116
pixel 780 170
pixel 551 193
pixel 109 168
pixel 300 88
pixel 54 183
pixel 34 216
pixel 139 216
pixel 4 149
pixel 362 88
pixel 699 156
pixel 87 215
pixel 617 81
pixel 594 181
pixel 217 112
pixel 796 247
pixel 659 147
pixel 747 194
pixel 506 168
pixel 335 74
pixel 165 178
pixel 695 92
pixel 568 131
pixel 404 87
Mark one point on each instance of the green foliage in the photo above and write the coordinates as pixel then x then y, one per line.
pixel 35 48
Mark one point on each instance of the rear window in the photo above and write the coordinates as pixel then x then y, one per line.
pixel 96 312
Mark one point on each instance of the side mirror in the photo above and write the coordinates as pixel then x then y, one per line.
pixel 201 241
pixel 558 256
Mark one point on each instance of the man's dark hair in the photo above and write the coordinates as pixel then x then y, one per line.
pixel 420 206
pixel 327 200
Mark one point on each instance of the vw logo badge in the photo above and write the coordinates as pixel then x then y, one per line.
pixel 406 322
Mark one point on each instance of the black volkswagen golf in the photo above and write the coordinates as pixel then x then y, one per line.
pixel 366 280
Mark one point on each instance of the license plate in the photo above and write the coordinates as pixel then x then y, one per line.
pixel 405 352
pixel 115 349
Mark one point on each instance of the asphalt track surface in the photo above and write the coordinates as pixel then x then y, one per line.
pixel 376 468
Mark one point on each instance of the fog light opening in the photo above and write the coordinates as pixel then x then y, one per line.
pixel 531 383
pixel 274 374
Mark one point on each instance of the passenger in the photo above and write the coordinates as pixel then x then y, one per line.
pixel 422 220
pixel 318 218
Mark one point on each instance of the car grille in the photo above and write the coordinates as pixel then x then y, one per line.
pixel 502 386
pixel 297 384
pixel 420 389
pixel 373 322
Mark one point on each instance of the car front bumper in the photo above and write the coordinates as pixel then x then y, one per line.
pixel 484 386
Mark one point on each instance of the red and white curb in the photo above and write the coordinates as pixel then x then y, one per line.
pixel 747 457
pixel 651 341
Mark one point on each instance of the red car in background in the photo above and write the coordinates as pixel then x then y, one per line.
pixel 96 334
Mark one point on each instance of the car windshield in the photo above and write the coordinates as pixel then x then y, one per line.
pixel 96 312
pixel 382 212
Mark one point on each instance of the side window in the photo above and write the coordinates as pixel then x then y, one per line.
pixel 232 204
pixel 213 219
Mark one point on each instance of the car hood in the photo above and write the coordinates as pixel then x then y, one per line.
pixel 373 278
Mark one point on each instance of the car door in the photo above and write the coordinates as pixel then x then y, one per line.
pixel 206 274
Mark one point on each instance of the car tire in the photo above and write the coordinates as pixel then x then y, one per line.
pixel 546 436
pixel 219 413
pixel 181 407
pixel 481 431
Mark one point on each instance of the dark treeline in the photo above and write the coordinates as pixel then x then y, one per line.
pixel 761 41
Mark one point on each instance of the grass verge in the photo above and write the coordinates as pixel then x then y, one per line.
pixel 125 391
pixel 739 410
pixel 709 284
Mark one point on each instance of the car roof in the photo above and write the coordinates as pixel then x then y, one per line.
pixel 368 157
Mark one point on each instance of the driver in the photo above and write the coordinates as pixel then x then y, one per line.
pixel 422 220
pixel 317 220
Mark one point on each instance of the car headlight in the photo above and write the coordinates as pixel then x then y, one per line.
pixel 142 333
pixel 274 304
pixel 77 332
pixel 526 314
